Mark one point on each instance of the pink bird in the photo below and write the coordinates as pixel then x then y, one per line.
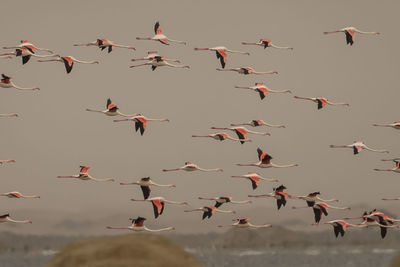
pixel 241 132
pixel 28 45
pixel 248 70
pixel 189 167
pixel 25 53
pixel 84 175
pixel 263 90
pixel 244 223
pixel 145 184
pixel 159 204
pixel 358 146
pixel 322 102
pixel 256 123
pixel 321 208
pixel 225 199
pixel 6 82
pixel 313 197
pixel 351 33
pixel 2 161
pixel 222 136
pixel 208 211
pixel 6 218
pixel 16 194
pixel 221 53
pixel 152 55
pixel 137 226
pixel 254 179
pixel 395 125
pixel 265 161
pixel 267 43
pixel 395 169
pixel 159 61
pixel 68 61
pixel 141 122
pixel 104 43
pixel 340 226
pixel 159 36
pixel 111 110
pixel 280 196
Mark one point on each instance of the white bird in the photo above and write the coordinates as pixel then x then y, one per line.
pixel 244 223
pixel 145 184
pixel 189 167
pixel 357 146
pixel 395 125
pixel 6 82
pixel 137 226
pixel 16 194
pixel 159 36
pixel 6 218
pixel 84 175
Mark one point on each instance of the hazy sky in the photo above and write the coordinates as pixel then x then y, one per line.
pixel 54 134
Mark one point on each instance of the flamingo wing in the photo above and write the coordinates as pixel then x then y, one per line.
pixel 350 36
pixel 317 214
pixel 158 207
pixel 263 92
pixel 336 230
pixel 357 149
pixel 254 182
pixel 68 63
pixel 321 103
pixel 266 42
pixel 4 216
pixel 146 191
pixel 242 134
pixel 222 56
pixel 383 231
pixel 157 28
pixel 164 41
pixel 25 59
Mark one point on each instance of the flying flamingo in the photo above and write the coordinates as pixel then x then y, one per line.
pixel 280 196
pixel 321 208
pixel 241 132
pixel 6 82
pixel 189 167
pixel 322 102
pixel 357 146
pixel 160 36
pixel 6 218
pixel 397 198
pixel 350 33
pixel 9 115
pixel 68 61
pixel 25 53
pixel 222 136
pixel 340 226
pixel 395 125
pixel 84 175
pixel 248 70
pixel 159 204
pixel 265 161
pixel 263 90
pixel 222 200
pixel 2 161
pixel 254 178
pixel 111 110
pixel 145 184
pixel 395 169
pixel 140 122
pixel 151 55
pixel 380 217
pixel 256 123
pixel 244 223
pixel 369 222
pixel 313 197
pixel 208 211
pixel 28 45
pixel 137 225
pixel 16 194
pixel 159 61
pixel 104 43
pixel 221 53
pixel 267 43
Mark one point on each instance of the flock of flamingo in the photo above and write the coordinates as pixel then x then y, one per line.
pixel 27 50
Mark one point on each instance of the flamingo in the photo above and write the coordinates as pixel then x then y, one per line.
pixel 208 211
pixel 322 102
pixel 280 196
pixel 159 61
pixel 104 43
pixel 151 55
pixel 248 70
pixel 84 175
pixel 68 61
pixel 2 161
pixel 111 110
pixel 244 223
pixel 6 218
pixel 160 36
pixel 340 226
pixel 267 43
pixel 395 125
pixel 225 199
pixel 321 208
pixel 395 169
pixel 6 82
pixel 263 90
pixel 222 136
pixel 137 225
pixel 254 178
pixel 140 122
pixel 357 146
pixel 159 204
pixel 189 167
pixel 241 132
pixel 381 217
pixel 9 115
pixel 350 33
pixel 16 194
pixel 221 53
pixel 313 197
pixel 145 184
pixel 256 123
pixel 265 161
pixel 25 53
pixel 31 47
pixel 397 198
pixel 369 222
